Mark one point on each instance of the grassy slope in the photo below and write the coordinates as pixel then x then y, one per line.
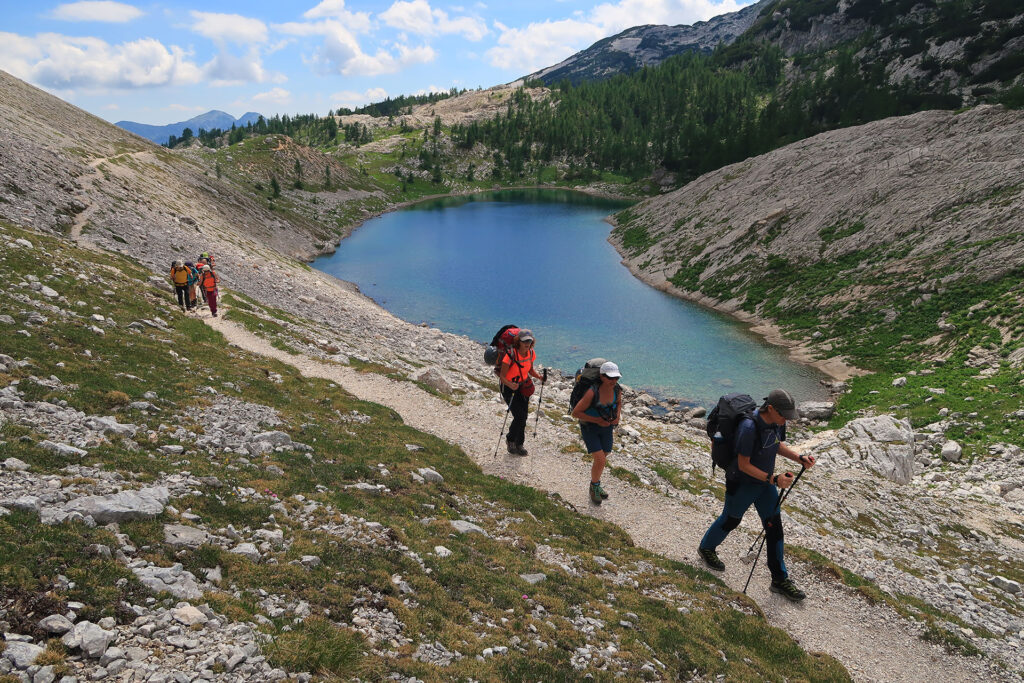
pixel 469 601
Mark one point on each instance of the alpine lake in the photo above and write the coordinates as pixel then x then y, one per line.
pixel 540 259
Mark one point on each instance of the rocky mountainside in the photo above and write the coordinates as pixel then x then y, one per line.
pixel 208 121
pixel 648 46
pixel 970 49
pixel 873 223
pixel 65 170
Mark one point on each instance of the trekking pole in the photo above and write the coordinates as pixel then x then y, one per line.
pixel 503 422
pixel 778 507
pixel 540 402
pixel 748 556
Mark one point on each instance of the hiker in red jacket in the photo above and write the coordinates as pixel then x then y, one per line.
pixel 517 387
pixel 208 282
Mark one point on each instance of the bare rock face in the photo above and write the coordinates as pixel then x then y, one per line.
pixel 883 444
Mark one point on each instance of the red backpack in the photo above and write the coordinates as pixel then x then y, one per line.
pixel 503 342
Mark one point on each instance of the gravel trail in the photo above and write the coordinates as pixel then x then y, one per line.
pixel 873 642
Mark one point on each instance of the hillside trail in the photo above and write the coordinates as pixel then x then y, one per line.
pixel 87 190
pixel 873 642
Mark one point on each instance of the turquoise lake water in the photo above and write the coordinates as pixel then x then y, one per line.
pixel 540 259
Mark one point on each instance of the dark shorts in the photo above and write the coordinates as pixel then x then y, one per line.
pixel 596 438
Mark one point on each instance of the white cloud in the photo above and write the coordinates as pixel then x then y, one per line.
pixel 227 69
pixel 416 16
pixel 232 28
pixel 352 99
pixel 99 10
pixel 546 43
pixel 274 96
pixel 341 53
pixel 335 9
pixel 64 62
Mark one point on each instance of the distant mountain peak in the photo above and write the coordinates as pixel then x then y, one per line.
pixel 208 121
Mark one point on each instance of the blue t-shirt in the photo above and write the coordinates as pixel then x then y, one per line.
pixel 760 444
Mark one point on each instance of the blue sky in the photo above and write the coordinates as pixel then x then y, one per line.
pixel 160 62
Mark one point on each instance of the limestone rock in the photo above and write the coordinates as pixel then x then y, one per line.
pixel 952 451
pixel 433 378
pixel 174 580
pixel 430 475
pixel 181 535
pixel 56 623
pixel 817 410
pixel 883 443
pixel 121 507
pixel 464 527
pixel 21 655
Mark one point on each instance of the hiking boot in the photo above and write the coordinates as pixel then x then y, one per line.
pixel 520 450
pixel 788 589
pixel 597 494
pixel 710 558
pixel 513 449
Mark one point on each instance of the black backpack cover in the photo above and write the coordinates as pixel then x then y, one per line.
pixel 723 421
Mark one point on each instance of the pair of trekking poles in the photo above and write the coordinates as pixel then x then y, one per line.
pixel 540 402
pixel 746 557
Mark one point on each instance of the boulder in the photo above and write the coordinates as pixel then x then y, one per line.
pixel 1005 584
pixel 21 655
pixel 174 580
pixel 125 506
pixel 951 451
pixel 432 378
pixel 89 638
pixel 188 615
pixel 274 438
pixel 56 623
pixel 247 550
pixel 817 410
pixel 181 535
pixel 430 475
pixel 884 444
pixel 15 465
pixel 62 449
pixel 464 527
pixel 533 579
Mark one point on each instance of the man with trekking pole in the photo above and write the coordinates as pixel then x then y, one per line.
pixel 751 480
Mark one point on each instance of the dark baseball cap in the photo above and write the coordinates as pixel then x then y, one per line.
pixel 783 404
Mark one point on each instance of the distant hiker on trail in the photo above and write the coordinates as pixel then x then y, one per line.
pixel 208 282
pixel 517 387
pixel 179 276
pixel 598 411
pixel 751 480
pixel 193 282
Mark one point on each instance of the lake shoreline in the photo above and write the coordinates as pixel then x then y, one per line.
pixel 347 230
pixel 799 350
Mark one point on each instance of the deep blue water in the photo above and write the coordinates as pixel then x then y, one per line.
pixel 540 259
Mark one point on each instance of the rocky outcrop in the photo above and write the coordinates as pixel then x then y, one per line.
pixel 648 46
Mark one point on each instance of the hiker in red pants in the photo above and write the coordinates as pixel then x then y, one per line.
pixel 208 281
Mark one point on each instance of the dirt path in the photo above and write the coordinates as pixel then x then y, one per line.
pixel 874 643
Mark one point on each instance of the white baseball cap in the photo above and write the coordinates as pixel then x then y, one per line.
pixel 610 369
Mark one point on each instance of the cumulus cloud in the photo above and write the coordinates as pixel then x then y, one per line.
pixel 335 9
pixel 542 44
pixel 341 53
pixel 64 62
pixel 96 10
pixel 416 16
pixel 228 69
pixel 274 96
pixel 231 28
pixel 352 99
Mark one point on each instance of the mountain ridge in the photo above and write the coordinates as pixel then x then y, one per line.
pixel 648 45
pixel 210 120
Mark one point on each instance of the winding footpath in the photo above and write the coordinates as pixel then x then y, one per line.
pixel 873 642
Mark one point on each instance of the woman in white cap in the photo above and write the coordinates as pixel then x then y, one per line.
pixel 598 411
pixel 517 387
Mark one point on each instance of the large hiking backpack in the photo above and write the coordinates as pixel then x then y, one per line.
pixel 586 377
pixel 723 421
pixel 503 342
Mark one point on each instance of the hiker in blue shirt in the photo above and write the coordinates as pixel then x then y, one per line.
pixel 751 480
